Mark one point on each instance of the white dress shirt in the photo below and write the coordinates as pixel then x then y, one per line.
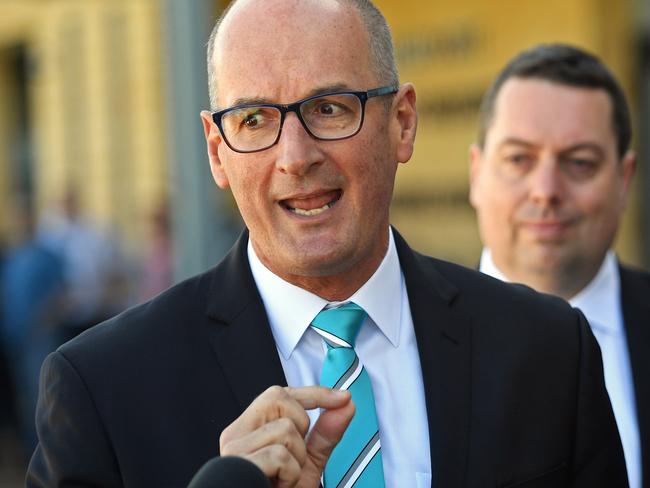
pixel 600 302
pixel 386 346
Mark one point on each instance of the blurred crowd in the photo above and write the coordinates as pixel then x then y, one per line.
pixel 60 275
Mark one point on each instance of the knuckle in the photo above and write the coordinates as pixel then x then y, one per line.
pixel 225 438
pixel 302 422
pixel 271 404
pixel 280 453
pixel 286 426
pixel 274 399
pixel 228 445
pixel 275 392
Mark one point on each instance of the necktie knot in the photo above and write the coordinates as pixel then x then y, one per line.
pixel 340 326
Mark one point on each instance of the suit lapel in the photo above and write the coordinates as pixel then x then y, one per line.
pixel 636 315
pixel 239 331
pixel 241 338
pixel 443 336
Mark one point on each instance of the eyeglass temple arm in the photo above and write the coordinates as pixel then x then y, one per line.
pixel 384 90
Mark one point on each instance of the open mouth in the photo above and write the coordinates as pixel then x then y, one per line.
pixel 312 205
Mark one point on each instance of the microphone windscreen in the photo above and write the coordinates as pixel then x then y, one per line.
pixel 229 472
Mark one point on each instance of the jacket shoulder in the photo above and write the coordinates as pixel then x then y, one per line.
pixel 167 319
pixel 486 293
pixel 634 275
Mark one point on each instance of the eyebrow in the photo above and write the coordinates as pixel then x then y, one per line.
pixel 513 141
pixel 316 91
pixel 591 146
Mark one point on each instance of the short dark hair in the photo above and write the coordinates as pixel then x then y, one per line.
pixel 566 65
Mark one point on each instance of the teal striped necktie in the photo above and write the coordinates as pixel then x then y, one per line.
pixel 356 460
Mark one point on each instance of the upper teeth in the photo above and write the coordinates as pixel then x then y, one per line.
pixel 313 211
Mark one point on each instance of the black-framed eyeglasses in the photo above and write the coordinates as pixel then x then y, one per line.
pixel 329 117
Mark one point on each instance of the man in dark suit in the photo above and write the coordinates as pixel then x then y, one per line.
pixel 549 180
pixel 464 381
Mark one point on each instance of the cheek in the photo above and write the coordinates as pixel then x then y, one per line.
pixel 601 212
pixel 497 215
pixel 378 172
pixel 374 155
pixel 246 189
pixel 378 188
pixel 598 198
pixel 496 199
pixel 494 216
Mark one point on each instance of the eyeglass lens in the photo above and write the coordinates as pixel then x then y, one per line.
pixel 327 117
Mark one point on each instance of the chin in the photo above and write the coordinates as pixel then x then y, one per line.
pixel 317 265
pixel 549 261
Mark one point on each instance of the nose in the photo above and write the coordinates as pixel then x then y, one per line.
pixel 297 151
pixel 546 186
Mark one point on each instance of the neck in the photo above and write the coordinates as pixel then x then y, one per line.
pixel 561 287
pixel 338 287
pixel 334 284
pixel 564 283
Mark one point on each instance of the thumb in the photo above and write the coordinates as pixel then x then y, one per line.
pixel 326 434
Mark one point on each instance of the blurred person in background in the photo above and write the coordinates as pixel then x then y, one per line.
pixel 95 274
pixel 8 414
pixel 550 176
pixel 31 293
pixel 156 273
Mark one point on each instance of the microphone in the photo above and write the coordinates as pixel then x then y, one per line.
pixel 229 472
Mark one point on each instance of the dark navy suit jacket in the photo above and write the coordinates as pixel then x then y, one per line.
pixel 635 301
pixel 513 384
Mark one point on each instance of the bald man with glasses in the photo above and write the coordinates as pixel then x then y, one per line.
pixel 322 348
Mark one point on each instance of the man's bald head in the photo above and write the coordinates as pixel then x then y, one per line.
pixel 380 41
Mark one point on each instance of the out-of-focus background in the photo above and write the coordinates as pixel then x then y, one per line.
pixel 105 192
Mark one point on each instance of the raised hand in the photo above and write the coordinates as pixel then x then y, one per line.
pixel 272 433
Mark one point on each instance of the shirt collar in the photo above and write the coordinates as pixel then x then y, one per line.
pixel 488 267
pixel 291 309
pixel 599 300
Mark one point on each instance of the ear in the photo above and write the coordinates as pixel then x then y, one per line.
pixel 407 121
pixel 475 159
pixel 213 140
pixel 628 168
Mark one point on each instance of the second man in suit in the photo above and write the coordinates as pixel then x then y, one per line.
pixel 550 176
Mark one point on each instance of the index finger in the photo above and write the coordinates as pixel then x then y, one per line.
pixel 310 397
